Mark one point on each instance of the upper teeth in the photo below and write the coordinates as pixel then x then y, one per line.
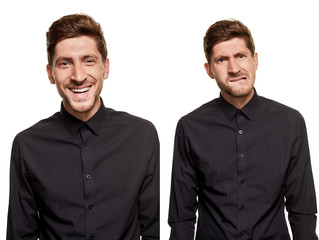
pixel 80 90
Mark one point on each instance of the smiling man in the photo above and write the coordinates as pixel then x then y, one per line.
pixel 240 159
pixel 78 71
pixel 87 172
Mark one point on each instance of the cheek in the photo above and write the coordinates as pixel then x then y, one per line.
pixel 60 80
pixel 95 72
pixel 63 75
pixel 253 70
pixel 221 73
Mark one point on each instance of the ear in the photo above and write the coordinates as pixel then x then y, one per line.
pixel 209 71
pixel 256 61
pixel 106 69
pixel 50 75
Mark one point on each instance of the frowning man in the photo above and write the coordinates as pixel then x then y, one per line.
pixel 240 159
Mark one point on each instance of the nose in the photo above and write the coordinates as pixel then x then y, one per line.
pixel 78 74
pixel 233 67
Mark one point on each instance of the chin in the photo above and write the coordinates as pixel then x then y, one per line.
pixel 238 93
pixel 81 106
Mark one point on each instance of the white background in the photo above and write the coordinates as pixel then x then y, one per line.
pixel 156 65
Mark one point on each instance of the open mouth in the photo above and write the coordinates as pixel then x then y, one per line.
pixel 80 90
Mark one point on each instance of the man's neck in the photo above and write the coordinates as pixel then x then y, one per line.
pixel 238 102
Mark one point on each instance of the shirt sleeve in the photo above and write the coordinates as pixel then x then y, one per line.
pixel 23 218
pixel 299 189
pixel 149 194
pixel 183 198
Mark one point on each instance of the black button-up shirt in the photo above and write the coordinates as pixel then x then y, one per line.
pixel 94 180
pixel 239 168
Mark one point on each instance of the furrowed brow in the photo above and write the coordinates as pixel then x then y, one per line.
pixel 62 59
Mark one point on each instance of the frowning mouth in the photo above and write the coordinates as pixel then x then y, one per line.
pixel 237 79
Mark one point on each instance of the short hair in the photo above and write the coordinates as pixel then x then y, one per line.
pixel 223 31
pixel 71 26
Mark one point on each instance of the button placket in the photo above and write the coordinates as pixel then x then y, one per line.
pixel 241 122
pixel 243 181
pixel 88 177
pixel 88 174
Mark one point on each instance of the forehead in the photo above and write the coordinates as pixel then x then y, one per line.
pixel 229 47
pixel 82 45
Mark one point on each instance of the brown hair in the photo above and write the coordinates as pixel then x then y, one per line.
pixel 71 26
pixel 225 30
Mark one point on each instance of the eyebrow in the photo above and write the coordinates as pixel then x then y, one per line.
pixel 219 57
pixel 59 59
pixel 89 56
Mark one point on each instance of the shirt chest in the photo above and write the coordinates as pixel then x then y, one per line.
pixel 228 153
pixel 71 169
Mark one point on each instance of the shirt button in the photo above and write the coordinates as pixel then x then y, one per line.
pixel 242 208
pixel 88 177
pixel 240 131
pixel 243 181
pixel 92 237
pixel 241 234
pixel 241 156
pixel 90 206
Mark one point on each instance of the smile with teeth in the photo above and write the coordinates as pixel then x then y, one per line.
pixel 80 90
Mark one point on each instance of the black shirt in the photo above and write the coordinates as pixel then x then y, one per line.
pixel 94 180
pixel 240 168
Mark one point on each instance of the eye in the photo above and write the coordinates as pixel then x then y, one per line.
pixel 63 64
pixel 220 60
pixel 90 61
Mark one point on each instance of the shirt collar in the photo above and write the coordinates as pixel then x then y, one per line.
pixel 72 124
pixel 248 110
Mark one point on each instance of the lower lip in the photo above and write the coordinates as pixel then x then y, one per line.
pixel 239 80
